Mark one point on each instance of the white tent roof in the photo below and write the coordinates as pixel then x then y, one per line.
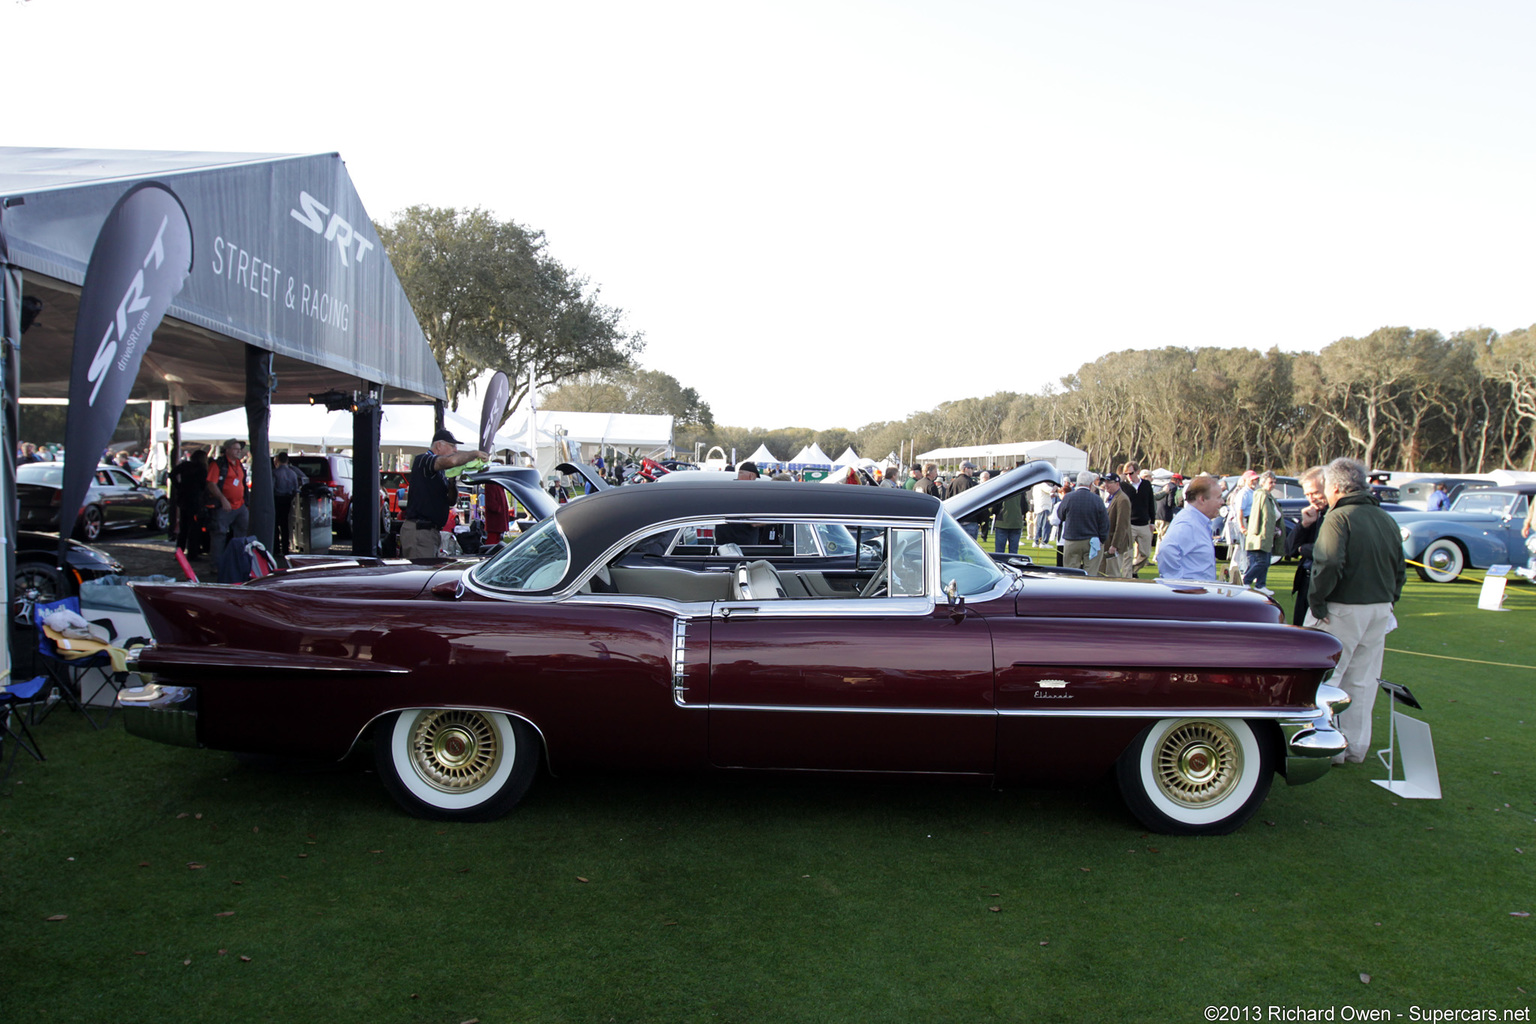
pixel 763 457
pixel 1064 456
pixel 811 455
pixel 848 458
pixel 313 426
pixel 622 429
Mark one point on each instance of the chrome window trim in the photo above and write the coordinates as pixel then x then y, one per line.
pixel 826 607
pixel 629 539
pixel 470 579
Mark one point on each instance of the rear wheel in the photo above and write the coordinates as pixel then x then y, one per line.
pixel 1442 561
pixel 162 518
pixel 92 523
pixel 456 765
pixel 1195 776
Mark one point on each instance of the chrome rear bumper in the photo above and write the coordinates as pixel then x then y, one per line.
pixel 1312 742
pixel 165 714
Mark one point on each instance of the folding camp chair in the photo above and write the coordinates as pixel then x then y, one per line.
pixel 13 727
pixel 71 663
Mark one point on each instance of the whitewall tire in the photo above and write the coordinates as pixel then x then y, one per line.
pixel 453 764
pixel 1196 776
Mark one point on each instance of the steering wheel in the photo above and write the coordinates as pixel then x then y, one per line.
pixel 879 583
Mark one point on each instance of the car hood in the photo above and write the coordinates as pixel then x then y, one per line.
pixel 523 482
pixel 998 488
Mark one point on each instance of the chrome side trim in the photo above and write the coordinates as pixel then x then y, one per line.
pixel 679 647
pixel 806 709
pixel 1068 711
pixel 829 608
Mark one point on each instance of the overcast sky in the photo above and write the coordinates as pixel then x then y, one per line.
pixel 834 212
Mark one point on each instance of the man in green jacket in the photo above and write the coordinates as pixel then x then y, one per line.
pixel 1264 536
pixel 1357 576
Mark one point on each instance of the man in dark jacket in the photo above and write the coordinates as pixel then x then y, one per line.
pixel 963 482
pixel 1357 576
pixel 1299 542
pixel 1137 485
pixel 1083 518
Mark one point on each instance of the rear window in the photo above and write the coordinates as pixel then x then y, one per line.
pixel 50 473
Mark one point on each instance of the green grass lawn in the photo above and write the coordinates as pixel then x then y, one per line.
pixel 195 887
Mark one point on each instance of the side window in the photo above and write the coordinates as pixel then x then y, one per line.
pixel 907 566
pixel 1518 508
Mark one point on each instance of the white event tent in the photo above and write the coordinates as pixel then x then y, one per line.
pixel 314 426
pixel 764 458
pixel 810 457
pixel 1063 456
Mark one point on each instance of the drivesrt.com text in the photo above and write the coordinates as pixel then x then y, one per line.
pixel 1349 1012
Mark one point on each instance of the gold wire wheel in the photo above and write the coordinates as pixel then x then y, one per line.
pixel 1198 763
pixel 455 751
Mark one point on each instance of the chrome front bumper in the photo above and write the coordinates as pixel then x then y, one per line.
pixel 1312 742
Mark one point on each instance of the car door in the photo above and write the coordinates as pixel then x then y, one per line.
pixel 1512 524
pixel 132 503
pixel 889 683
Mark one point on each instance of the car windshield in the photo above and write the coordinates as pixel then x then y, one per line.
pixel 40 473
pixel 1488 503
pixel 535 560
pixel 962 561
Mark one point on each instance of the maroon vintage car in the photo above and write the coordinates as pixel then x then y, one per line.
pixel 737 625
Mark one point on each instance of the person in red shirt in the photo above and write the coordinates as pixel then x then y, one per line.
pixel 229 485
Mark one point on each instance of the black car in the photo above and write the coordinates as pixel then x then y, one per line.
pixel 115 501
pixel 39 571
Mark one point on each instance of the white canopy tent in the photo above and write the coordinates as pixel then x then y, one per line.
pixel 764 457
pixel 849 458
pixel 810 457
pixel 1063 456
pixel 565 436
pixel 313 426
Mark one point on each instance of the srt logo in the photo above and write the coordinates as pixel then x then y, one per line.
pixel 336 230
pixel 134 301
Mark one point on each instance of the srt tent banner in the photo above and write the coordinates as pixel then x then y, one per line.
pixel 141 259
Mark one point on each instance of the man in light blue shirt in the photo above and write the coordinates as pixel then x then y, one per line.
pixel 1188 550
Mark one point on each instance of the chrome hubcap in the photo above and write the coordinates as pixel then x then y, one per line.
pixel 455 751
pixel 1197 764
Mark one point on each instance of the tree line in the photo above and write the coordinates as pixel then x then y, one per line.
pixel 1398 398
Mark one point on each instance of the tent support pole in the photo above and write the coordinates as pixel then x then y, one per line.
pixel 259 383
pixel 366 421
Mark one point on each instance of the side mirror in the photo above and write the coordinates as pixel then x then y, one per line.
pixel 956 602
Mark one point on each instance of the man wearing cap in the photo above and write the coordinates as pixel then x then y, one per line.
pixel 432 495
pixel 1118 555
pixel 962 482
pixel 229 486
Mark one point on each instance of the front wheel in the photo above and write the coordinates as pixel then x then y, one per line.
pixel 454 764
pixel 1442 561
pixel 1195 776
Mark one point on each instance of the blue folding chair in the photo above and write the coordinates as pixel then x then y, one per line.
pixel 71 673
pixel 13 727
